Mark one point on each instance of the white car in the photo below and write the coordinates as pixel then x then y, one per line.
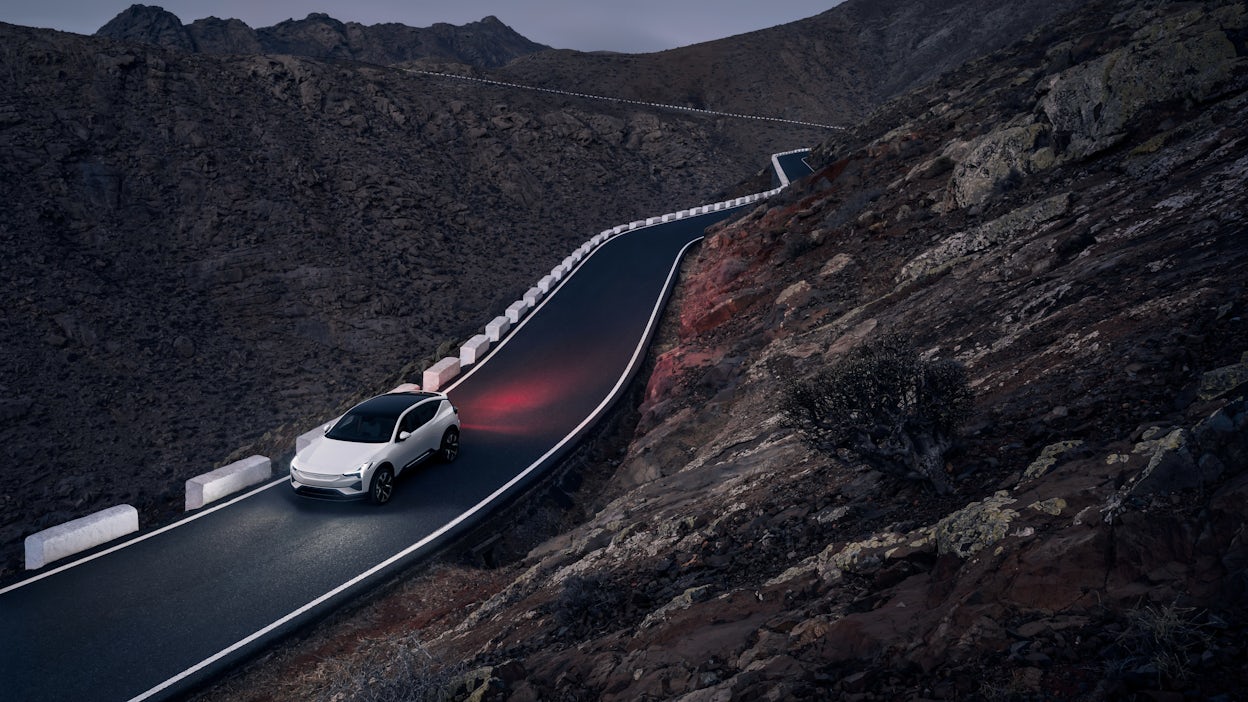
pixel 364 450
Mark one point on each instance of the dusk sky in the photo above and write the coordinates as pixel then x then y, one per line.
pixel 635 26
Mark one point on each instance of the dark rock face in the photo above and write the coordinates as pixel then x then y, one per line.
pixel 486 44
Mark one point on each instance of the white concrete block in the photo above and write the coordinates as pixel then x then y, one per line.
pixel 653 220
pixel 516 310
pixel 620 229
pixel 406 387
pixel 303 440
pixel 497 328
pixel 577 256
pixel 682 214
pixel 473 350
pixel 546 283
pixel 636 224
pixel 78 535
pixel 668 217
pixel 717 207
pixel 440 373
pixel 216 484
pixel 532 296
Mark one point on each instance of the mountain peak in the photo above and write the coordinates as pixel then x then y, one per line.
pixel 149 24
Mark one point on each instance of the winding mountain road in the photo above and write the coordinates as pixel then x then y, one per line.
pixel 159 613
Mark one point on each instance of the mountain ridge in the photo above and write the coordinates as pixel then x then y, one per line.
pixel 487 43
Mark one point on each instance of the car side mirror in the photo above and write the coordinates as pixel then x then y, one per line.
pixel 403 435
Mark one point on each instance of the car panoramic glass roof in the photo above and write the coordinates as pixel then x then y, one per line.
pixel 393 404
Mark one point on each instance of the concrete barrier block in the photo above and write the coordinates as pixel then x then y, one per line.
pixel 557 273
pixel 532 296
pixel 497 328
pixel 717 207
pixel 473 350
pixel 440 373
pixel 546 283
pixel 638 223
pixel 682 214
pixel 216 484
pixel 516 310
pixel 620 229
pixel 406 387
pixel 668 217
pixel 586 249
pixel 78 535
pixel 653 220
pixel 303 440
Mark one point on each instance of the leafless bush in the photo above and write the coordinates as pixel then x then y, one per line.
pixel 888 406
pixel 587 603
pixel 397 670
pixel 1165 642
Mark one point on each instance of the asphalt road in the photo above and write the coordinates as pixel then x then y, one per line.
pixel 794 165
pixel 177 605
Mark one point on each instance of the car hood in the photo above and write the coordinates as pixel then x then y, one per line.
pixel 327 456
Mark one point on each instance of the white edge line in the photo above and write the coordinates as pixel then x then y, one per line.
pixel 641 345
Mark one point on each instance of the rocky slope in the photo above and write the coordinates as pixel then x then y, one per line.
pixel 488 43
pixel 1065 219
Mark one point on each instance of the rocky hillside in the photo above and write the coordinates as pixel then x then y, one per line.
pixel 486 44
pixel 1064 219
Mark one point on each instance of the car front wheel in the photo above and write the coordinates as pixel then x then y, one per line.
pixel 382 486
pixel 450 446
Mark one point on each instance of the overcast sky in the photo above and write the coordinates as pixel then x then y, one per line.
pixel 588 25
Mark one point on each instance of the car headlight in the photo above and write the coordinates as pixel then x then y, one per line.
pixel 359 472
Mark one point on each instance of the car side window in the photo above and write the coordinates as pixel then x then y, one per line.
pixel 418 417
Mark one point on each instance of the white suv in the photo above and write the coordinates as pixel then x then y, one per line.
pixel 366 448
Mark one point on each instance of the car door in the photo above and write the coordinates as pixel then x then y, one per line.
pixel 417 423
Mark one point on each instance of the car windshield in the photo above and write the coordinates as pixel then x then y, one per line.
pixel 364 427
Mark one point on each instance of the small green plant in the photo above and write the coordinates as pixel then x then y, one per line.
pixel 886 405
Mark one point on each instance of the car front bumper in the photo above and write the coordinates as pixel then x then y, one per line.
pixel 327 487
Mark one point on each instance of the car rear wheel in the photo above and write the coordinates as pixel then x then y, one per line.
pixel 382 487
pixel 450 446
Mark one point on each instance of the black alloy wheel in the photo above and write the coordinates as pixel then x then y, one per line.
pixel 450 446
pixel 383 486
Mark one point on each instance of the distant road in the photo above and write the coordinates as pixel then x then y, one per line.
pixel 179 604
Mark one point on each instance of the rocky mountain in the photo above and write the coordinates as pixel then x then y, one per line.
pixel 488 43
pixel 207 254
pixel 832 67
pixel 1064 220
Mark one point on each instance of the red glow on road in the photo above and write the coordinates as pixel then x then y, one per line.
pixel 530 406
